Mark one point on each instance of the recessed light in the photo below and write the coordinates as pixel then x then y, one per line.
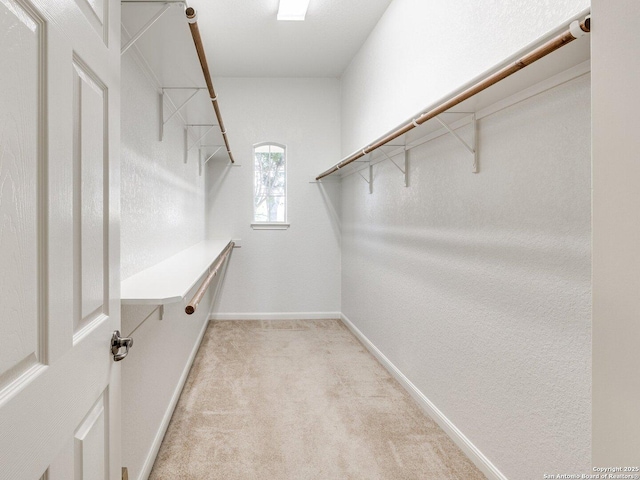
pixel 292 9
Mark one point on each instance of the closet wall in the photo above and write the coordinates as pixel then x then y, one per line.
pixel 293 273
pixel 162 213
pixel 476 286
pixel 422 50
pixel 162 197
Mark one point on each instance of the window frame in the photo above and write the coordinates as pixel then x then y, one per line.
pixel 270 225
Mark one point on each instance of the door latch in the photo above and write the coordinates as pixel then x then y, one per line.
pixel 118 342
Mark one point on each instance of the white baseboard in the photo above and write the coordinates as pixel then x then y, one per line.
pixel 275 316
pixel 475 455
pixel 157 441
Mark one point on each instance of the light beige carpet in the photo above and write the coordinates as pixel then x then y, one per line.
pixel 297 400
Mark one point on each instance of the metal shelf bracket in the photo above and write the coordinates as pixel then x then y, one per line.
pixel 370 179
pixel 402 169
pixel 188 148
pixel 163 122
pixel 146 26
pixel 473 148
pixel 202 163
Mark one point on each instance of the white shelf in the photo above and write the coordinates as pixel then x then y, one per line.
pixel 166 54
pixel 564 64
pixel 171 280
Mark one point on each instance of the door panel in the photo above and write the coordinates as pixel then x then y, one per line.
pixel 59 243
pixel 96 13
pixel 91 447
pixel 21 168
pixel 89 165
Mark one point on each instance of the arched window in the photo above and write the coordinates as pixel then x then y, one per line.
pixel 270 183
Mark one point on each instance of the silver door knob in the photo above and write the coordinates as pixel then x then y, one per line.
pixel 118 342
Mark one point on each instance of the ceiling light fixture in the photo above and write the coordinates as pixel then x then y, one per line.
pixel 292 9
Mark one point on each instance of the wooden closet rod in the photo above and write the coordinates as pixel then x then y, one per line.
pixel 193 304
pixel 538 53
pixel 197 40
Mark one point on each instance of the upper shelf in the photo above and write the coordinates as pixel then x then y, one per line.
pixel 167 53
pixel 569 58
pixel 171 280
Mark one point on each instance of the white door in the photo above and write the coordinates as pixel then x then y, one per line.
pixel 59 239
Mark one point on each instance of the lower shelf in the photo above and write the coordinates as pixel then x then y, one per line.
pixel 171 280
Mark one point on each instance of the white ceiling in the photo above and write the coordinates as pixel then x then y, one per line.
pixel 243 38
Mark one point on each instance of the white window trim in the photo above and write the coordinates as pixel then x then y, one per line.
pixel 272 225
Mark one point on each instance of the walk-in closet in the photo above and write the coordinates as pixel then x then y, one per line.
pixel 319 240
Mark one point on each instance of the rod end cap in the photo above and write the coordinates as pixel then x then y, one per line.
pixel 192 15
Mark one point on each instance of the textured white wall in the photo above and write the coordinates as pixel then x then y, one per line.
pixel 152 374
pixel 616 234
pixel 477 287
pixel 423 49
pixel 294 270
pixel 162 213
pixel 162 197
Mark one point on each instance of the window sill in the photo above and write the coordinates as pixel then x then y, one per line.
pixel 270 226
